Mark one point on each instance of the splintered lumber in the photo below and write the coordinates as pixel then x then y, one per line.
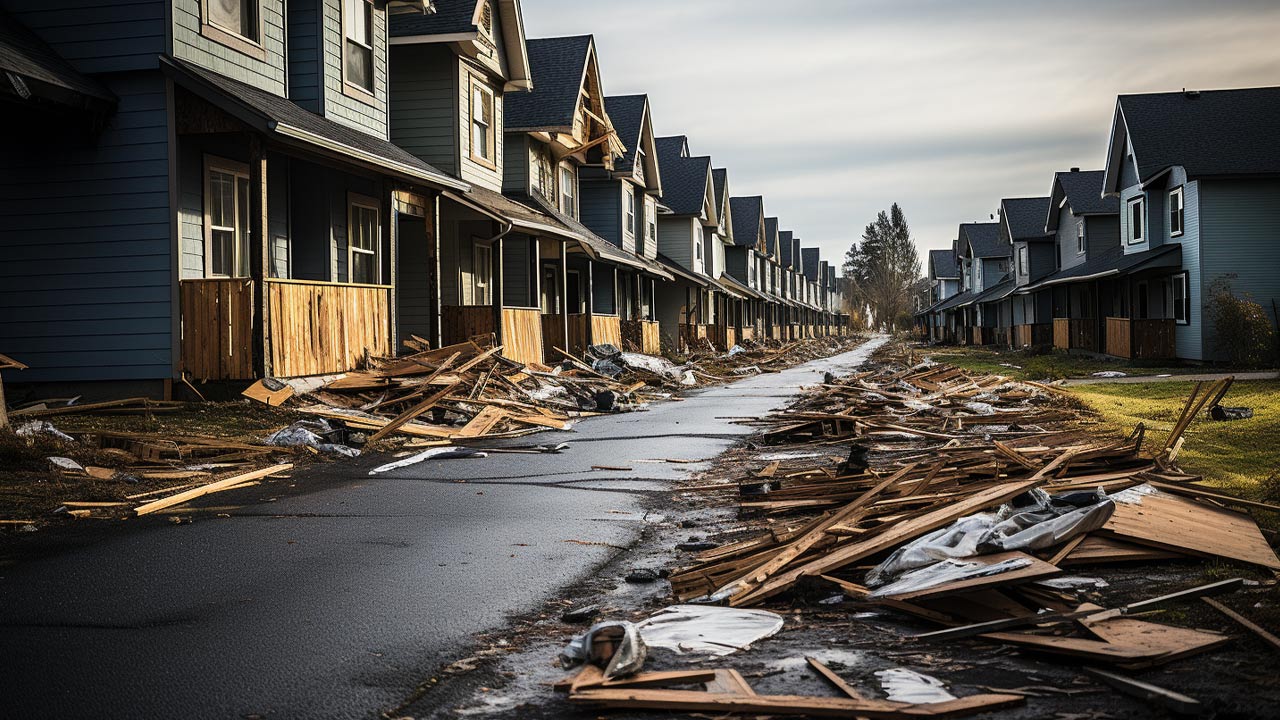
pixel 410 414
pixel 483 422
pixel 890 538
pixel 1248 624
pixel 1095 550
pixel 1170 522
pixel 836 681
pixel 1176 702
pixel 594 678
pixel 697 701
pixel 213 487
pixel 1133 644
pixel 730 682
pixel 263 394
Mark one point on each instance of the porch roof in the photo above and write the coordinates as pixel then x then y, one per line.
pixel 743 290
pixel 43 73
pixel 997 292
pixel 286 121
pixel 1112 264
pixel 679 272
pixel 593 244
pixel 955 301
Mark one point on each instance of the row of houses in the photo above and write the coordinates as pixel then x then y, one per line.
pixel 230 189
pixel 1121 260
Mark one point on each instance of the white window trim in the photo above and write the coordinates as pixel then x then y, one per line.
pixel 1184 279
pixel 564 190
pixel 1024 264
pixel 352 89
pixel 477 286
pixel 629 208
pixel 1182 212
pixel 355 200
pixel 239 170
pixel 490 161
pixel 1140 203
pixel 1081 241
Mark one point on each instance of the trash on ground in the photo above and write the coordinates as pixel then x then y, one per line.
pixel 707 629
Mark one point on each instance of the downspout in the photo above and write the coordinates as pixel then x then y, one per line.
pixel 496 277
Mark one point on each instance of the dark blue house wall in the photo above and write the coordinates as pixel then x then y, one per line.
pixel 87 278
pixel 98 36
pixel 306 73
pixel 600 208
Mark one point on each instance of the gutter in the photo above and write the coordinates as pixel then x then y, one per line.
pixel 320 141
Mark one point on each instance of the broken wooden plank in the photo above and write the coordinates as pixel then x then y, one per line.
pixel 1171 522
pixel 695 701
pixel 409 414
pixel 263 394
pixel 1245 622
pixel 213 487
pixel 836 681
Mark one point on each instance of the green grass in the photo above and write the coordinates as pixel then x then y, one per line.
pixel 1239 455
pixel 1056 365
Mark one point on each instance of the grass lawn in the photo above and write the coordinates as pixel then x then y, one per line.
pixel 1239 455
pixel 1051 366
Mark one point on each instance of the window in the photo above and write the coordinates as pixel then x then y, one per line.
pixel 482 132
pixel 226 206
pixel 544 179
pixel 1182 298
pixel 1022 260
pixel 1080 236
pixel 639 166
pixel 357 47
pixel 629 210
pixel 1136 216
pixel 1175 212
pixel 568 203
pixel 363 240
pixel 235 16
pixel 481 274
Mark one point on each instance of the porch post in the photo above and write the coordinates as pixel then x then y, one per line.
pixel 259 258
pixel 391 215
pixel 564 293
pixel 591 302
pixel 496 259
pixel 434 261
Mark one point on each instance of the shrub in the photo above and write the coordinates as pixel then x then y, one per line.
pixel 1243 333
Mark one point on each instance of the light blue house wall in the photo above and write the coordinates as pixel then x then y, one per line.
pixel 1238 241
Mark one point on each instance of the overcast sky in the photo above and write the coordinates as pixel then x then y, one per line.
pixel 833 109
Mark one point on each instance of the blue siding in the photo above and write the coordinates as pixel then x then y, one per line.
pixel 1237 236
pixel 1065 240
pixel 600 208
pixel 424 105
pixel 192 46
pixel 98 35
pixel 85 290
pixel 305 71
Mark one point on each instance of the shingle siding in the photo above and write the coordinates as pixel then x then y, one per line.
pixel 85 287
pixel 424 104
pixel 191 46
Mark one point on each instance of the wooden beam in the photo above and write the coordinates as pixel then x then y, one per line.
pixel 213 487
pixel 1248 624
pixel 410 414
pixel 259 255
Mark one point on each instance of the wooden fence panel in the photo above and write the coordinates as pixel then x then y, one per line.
pixel 319 328
pixel 459 322
pixel 217 328
pixel 522 334
pixel 1118 337
pixel 606 329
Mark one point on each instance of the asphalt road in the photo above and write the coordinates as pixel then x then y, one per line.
pixel 337 599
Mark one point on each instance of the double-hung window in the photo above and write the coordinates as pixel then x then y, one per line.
pixel 1137 221
pixel 629 211
pixel 481 274
pixel 357 44
pixel 364 240
pixel 1182 298
pixel 226 203
pixel 1080 244
pixel 1022 260
pixel 234 16
pixel 1176 215
pixel 568 188
pixel 482 132
pixel 544 178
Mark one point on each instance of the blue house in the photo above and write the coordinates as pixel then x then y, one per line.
pixel 228 174
pixel 1025 318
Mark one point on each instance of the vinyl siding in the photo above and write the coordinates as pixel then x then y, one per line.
pixel 601 208
pixel 515 163
pixel 472 171
pixel 86 282
pixel 1101 233
pixel 1041 256
pixel 735 263
pixel 675 239
pixel 98 35
pixel 191 46
pixel 305 59
pixel 1065 240
pixel 338 106
pixel 1236 223
pixel 424 104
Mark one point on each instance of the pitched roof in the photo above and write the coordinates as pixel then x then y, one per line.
pixel 684 179
pixel 956 300
pixel 720 181
pixel 24 54
pixel 944 264
pixel 745 213
pixel 593 243
pixel 999 291
pixel 809 259
pixel 1026 217
pixel 1112 262
pixel 291 123
pixel 984 239
pixel 557 65
pixel 626 113
pixel 451 16
pixel 785 244
pixel 1083 190
pixel 1211 132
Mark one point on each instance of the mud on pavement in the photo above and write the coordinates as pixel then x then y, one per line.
pixel 509 673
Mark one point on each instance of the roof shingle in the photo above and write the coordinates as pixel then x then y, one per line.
pixel 557 66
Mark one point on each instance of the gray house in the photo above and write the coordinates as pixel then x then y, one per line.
pixel 984 271
pixel 1027 317
pixel 687 209
pixel 1197 175
pixel 230 171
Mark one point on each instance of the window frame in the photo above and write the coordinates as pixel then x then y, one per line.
pixel 1181 212
pixel 1183 280
pixel 1138 202
pixel 480 247
pixel 227 37
pixel 365 202
pixel 540 160
pixel 566 180
pixel 351 89
pixel 1081 242
pixel 241 240
pixel 628 210
pixel 1024 263
pixel 477 84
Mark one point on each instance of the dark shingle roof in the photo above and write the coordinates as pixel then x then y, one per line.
pixel 720 181
pixel 1112 262
pixel 451 16
pixel 626 113
pixel 1083 190
pixel 746 212
pixel 1214 132
pixel 998 291
pixel 684 179
pixel 785 243
pixel 984 238
pixel 1026 217
pixel 557 65
pixel 809 258
pixel 23 53
pixel 956 300
pixel 943 264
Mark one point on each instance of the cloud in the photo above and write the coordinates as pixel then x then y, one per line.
pixel 833 110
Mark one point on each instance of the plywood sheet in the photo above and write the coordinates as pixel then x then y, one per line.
pixel 1176 523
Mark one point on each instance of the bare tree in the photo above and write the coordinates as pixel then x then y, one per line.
pixel 882 268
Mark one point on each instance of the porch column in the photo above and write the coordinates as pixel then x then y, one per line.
pixel 437 332
pixel 496 259
pixel 259 260
pixel 591 303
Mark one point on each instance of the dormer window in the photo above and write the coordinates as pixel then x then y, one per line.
pixel 1175 212
pixel 482 130
pixel 1137 227
pixel 357 45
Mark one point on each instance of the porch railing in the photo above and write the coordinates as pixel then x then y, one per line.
pixel 1075 334
pixel 642 336
pixel 319 328
pixel 1147 339
pixel 522 334
pixel 459 322
pixel 606 329
pixel 217 328
pixel 1032 334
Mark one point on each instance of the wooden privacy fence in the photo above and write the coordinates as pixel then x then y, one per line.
pixel 217 328
pixel 459 322
pixel 522 334
pixel 642 335
pixel 1148 339
pixel 1075 334
pixel 1032 334
pixel 606 329
pixel 319 328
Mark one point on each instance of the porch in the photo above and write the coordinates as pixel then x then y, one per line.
pixel 1149 339
pixel 1032 335
pixel 642 336
pixel 1075 334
